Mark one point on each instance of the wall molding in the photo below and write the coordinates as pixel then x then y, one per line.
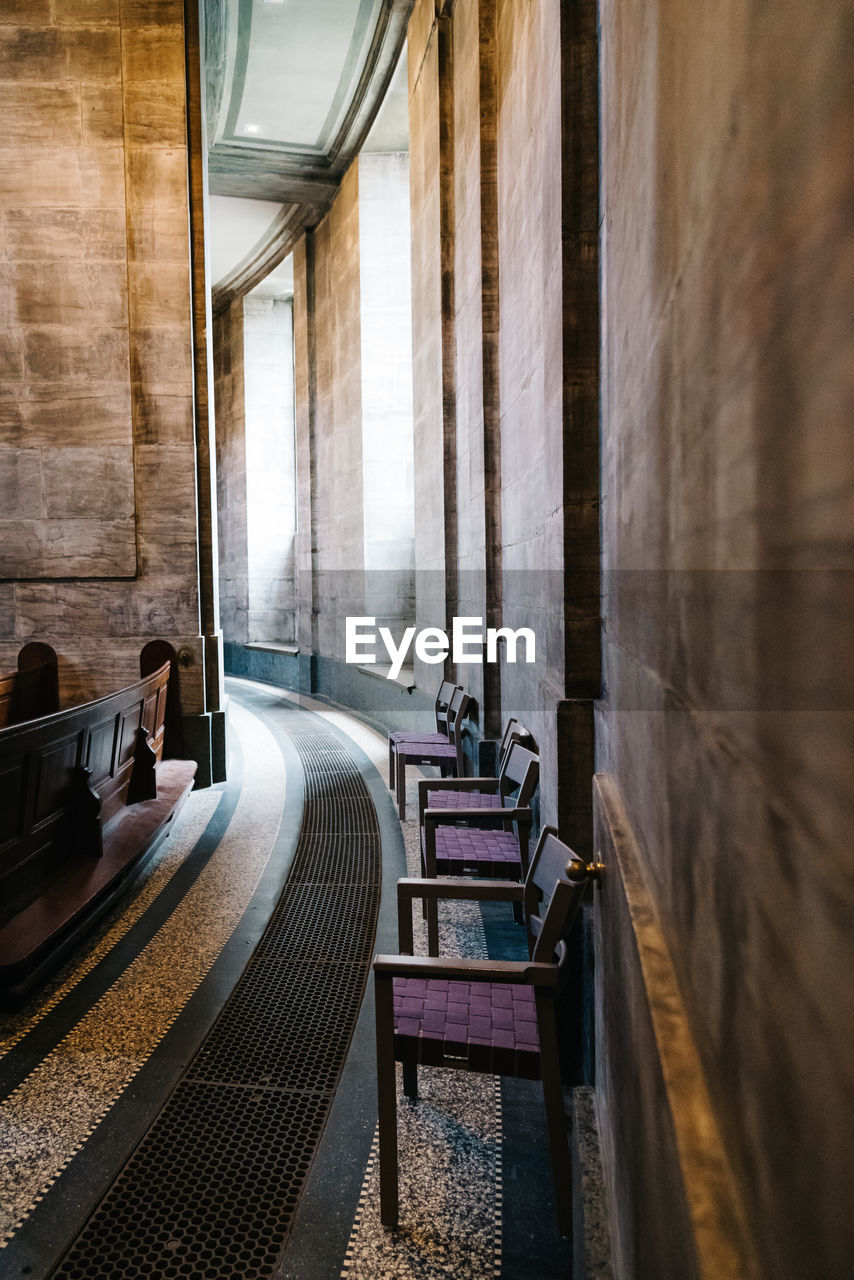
pixel 722 1244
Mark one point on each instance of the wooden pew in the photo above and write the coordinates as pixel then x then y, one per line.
pixel 85 795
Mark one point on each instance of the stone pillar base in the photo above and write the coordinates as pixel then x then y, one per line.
pixel 204 741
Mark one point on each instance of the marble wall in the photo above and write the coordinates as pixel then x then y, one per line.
pixel 67 435
pixel 727 531
pixel 97 455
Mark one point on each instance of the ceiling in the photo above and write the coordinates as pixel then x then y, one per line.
pixel 294 90
pixel 234 227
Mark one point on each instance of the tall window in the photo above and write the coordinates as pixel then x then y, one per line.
pixel 386 333
pixel 268 373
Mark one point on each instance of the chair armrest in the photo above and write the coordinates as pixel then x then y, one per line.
pixel 457 784
pixel 456 887
pixel 434 817
pixel 444 887
pixel 522 972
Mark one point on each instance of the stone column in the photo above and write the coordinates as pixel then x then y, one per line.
pixel 305 410
pixel 204 408
pixel 386 348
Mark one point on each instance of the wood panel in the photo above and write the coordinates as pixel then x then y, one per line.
pixel 43 778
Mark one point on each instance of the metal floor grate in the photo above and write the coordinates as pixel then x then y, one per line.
pixel 358 854
pixel 211 1191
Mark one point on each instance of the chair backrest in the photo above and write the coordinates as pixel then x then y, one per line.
pixel 514 732
pixel 508 737
pixel 443 699
pixel 458 709
pixel 519 776
pixel 553 895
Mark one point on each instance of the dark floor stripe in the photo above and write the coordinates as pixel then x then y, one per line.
pixel 212 1189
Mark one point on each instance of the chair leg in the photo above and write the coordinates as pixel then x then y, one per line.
pixel 391 754
pixel 430 905
pixel 386 1101
pixel 432 926
pixel 423 877
pixel 410 1079
pixel 401 787
pixel 556 1121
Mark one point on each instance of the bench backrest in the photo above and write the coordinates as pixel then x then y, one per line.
pixel 31 691
pixel 64 776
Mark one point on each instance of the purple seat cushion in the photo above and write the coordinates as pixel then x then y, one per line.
pixel 464 851
pixel 463 800
pixel 485 1026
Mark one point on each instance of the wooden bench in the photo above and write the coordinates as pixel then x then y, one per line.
pixel 85 795
pixel 32 690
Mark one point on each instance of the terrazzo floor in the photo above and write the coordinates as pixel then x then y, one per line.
pixel 85 1068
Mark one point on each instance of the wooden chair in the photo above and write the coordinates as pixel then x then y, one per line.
pixel 480 1015
pixel 447 754
pixel 441 707
pixel 477 793
pixel 449 848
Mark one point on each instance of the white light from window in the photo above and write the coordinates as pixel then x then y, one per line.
pixel 251 128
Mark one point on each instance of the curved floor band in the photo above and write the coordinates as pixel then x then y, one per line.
pixel 212 1188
